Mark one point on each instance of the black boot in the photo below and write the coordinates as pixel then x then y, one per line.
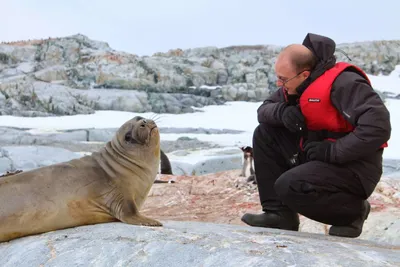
pixel 355 228
pixel 286 220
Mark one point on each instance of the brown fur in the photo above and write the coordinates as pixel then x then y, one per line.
pixel 109 185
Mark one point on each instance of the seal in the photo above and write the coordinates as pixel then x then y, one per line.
pixel 109 185
pixel 165 168
pixel 165 164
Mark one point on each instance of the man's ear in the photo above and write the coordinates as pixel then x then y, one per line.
pixel 306 74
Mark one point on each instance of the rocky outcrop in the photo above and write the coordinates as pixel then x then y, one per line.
pixel 77 75
pixel 190 244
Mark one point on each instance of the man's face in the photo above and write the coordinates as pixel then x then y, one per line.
pixel 287 75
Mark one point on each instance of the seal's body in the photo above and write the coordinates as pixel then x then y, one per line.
pixel 165 164
pixel 109 185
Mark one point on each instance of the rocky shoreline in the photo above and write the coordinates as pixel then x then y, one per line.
pixel 77 75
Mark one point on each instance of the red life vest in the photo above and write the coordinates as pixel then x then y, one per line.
pixel 316 105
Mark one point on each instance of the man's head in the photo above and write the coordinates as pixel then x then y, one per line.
pixel 293 66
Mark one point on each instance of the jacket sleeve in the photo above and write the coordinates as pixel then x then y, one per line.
pixel 363 108
pixel 271 109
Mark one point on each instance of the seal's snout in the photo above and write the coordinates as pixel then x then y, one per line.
pixel 150 124
pixel 143 123
pixel 140 131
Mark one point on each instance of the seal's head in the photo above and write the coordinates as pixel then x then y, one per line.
pixel 138 136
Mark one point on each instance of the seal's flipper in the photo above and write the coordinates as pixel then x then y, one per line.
pixel 139 219
pixel 130 214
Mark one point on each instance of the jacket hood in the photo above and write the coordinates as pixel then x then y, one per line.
pixel 323 48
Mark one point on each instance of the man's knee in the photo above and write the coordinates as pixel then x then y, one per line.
pixel 282 185
pixel 290 186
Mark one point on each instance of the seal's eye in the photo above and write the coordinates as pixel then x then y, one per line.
pixel 128 137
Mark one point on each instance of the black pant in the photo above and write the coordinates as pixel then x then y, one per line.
pixel 323 192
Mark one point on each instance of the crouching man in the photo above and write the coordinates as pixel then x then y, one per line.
pixel 319 143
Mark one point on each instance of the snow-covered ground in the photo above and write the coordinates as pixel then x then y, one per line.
pixel 389 83
pixel 232 115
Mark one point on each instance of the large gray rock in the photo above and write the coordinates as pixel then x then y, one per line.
pixel 31 157
pixel 71 75
pixel 191 244
pixel 200 162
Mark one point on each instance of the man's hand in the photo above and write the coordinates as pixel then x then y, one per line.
pixel 293 119
pixel 318 151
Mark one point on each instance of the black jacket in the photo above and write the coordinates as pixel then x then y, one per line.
pixel 360 105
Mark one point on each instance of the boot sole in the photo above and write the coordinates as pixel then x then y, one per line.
pixel 282 226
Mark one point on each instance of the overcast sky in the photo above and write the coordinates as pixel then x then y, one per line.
pixel 144 27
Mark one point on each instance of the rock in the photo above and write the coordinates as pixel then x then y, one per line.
pixel 101 135
pixel 377 57
pixel 68 136
pixel 12 54
pixel 31 157
pixel 3 100
pixel 6 163
pixel 172 82
pixel 26 67
pixel 54 73
pixel 113 99
pixel 199 162
pixel 190 244
pixel 41 99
